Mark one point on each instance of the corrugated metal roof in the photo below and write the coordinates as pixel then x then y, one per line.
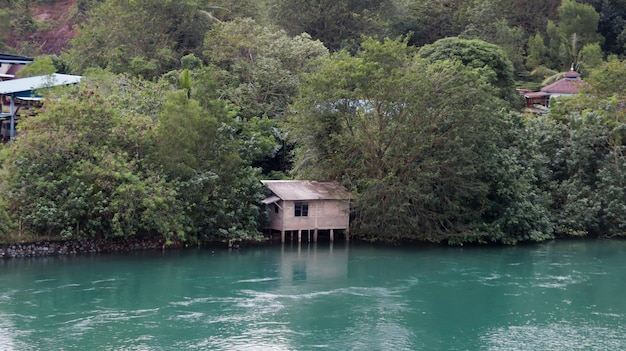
pixel 569 85
pixel 307 190
pixel 32 83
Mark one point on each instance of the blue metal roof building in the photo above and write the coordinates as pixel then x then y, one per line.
pixel 25 89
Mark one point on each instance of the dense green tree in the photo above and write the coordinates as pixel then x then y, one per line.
pixel 424 146
pixel 576 27
pixel 42 65
pixel 145 38
pixel 336 23
pixel 488 58
pixel 607 82
pixel 425 21
pixel 531 15
pixel 77 170
pixel 537 52
pixel 92 165
pixel 487 22
pixel 5 29
pixel 581 168
pixel 579 19
pixel 259 72
pixel 262 64
pixel 580 156
pixel 228 10
pixel 199 150
pixel 612 24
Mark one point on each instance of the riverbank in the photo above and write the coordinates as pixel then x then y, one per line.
pixel 75 247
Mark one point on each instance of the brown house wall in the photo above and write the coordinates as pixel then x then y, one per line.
pixel 323 214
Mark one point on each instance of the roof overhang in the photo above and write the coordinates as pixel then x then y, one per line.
pixel 30 98
pixel 270 200
pixel 25 85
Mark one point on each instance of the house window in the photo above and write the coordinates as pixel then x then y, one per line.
pixel 302 209
pixel 276 208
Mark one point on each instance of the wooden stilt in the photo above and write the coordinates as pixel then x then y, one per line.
pixel 282 236
pixel 332 236
pixel 299 235
pixel 347 234
pixel 315 235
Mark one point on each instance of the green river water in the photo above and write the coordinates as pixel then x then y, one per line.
pixel 565 295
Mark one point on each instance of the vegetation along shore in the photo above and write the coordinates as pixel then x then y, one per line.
pixel 499 121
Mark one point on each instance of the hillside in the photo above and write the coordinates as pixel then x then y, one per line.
pixel 54 23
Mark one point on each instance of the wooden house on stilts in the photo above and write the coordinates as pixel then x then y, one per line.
pixel 306 206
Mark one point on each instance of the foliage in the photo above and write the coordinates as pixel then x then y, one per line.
pixel 579 158
pixel 579 19
pixel 611 24
pixel 538 53
pixel 476 54
pixel 22 21
pixel 486 22
pixel 228 10
pixel 425 21
pixel 338 24
pixel 171 145
pixel 423 145
pixel 91 165
pixel 260 73
pixel 77 170
pixel 199 152
pixel 42 65
pixel 262 62
pixel 5 28
pixel 576 28
pixel 582 171
pixel 144 38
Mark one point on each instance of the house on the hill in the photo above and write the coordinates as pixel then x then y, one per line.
pixel 569 85
pixel 22 92
pixel 298 206
pixel 11 64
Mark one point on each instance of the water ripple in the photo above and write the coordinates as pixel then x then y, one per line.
pixel 562 336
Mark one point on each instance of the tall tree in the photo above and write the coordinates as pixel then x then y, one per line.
pixel 336 23
pixel 425 21
pixel 576 27
pixel 200 153
pixel 262 64
pixel 476 54
pixel 145 38
pixel 78 170
pixel 412 138
pixel 260 73
pixel 581 156
pixel 486 21
pixel 612 24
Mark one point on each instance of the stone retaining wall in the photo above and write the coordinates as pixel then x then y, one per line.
pixel 73 247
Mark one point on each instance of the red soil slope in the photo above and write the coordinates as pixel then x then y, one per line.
pixel 57 18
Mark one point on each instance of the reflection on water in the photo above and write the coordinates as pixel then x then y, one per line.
pixel 554 296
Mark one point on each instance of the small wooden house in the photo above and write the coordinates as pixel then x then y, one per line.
pixel 298 206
